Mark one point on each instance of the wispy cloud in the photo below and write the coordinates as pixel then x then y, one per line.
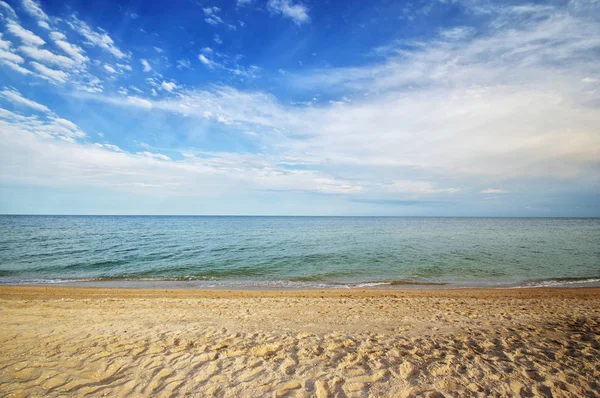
pixel 48 57
pixel 8 9
pixel 72 160
pixel 212 17
pixel 457 33
pixel 297 12
pixel 146 65
pixel 226 64
pixel 506 99
pixel 14 66
pixel 99 38
pixel 109 68
pixel 7 53
pixel 206 61
pixel 493 191
pixel 16 97
pixel 184 64
pixel 169 86
pixel 72 50
pixel 53 75
pixel 33 8
pixel 26 36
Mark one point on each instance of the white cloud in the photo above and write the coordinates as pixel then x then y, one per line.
pixel 169 86
pixel 109 146
pixel 8 9
pixel 146 65
pixel 27 36
pixel 15 67
pixel 184 64
pixel 50 74
pixel 493 191
pixel 16 97
pixel 14 126
pixel 462 131
pixel 34 9
pixel 74 51
pixel 96 38
pixel 67 125
pixel 11 57
pixel 206 61
pixel 90 84
pixel 234 69
pixel 158 49
pixel 4 44
pixel 48 57
pixel 158 156
pixel 296 12
pixel 25 141
pixel 506 104
pixel 213 20
pixel 457 33
pixel 109 68
pixel 211 16
pixel 211 10
pixel 54 35
pixel 538 9
pixel 217 39
pixel 139 102
pixel 241 3
pixel 126 67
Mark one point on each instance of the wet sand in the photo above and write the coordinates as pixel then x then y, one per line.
pixel 57 341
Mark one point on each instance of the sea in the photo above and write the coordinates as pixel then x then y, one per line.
pixel 299 252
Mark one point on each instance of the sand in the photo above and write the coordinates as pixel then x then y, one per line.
pixel 347 343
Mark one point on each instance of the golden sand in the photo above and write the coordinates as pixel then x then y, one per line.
pixel 379 343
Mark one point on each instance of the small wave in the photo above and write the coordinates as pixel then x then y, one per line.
pixel 37 281
pixel 562 282
pixel 394 283
pixel 373 284
pixel 400 283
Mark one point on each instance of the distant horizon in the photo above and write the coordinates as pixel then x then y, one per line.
pixel 298 107
pixel 280 215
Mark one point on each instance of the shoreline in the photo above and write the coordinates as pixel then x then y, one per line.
pixel 44 291
pixel 177 284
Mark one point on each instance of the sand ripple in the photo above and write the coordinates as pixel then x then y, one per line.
pixel 331 347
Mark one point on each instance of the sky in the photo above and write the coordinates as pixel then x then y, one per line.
pixel 300 107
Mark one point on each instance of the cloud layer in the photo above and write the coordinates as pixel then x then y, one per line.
pixel 501 108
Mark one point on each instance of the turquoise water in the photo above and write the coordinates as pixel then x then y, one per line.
pixel 299 251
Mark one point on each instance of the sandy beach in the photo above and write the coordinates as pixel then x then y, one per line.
pixel 57 341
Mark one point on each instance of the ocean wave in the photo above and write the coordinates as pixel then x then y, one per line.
pixel 561 282
pixel 204 282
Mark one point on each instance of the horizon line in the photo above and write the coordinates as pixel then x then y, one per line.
pixel 277 215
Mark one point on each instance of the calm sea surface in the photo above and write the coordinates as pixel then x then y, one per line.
pixel 299 251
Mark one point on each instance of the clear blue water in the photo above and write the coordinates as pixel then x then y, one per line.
pixel 299 251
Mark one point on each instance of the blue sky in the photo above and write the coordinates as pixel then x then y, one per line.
pixel 285 107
